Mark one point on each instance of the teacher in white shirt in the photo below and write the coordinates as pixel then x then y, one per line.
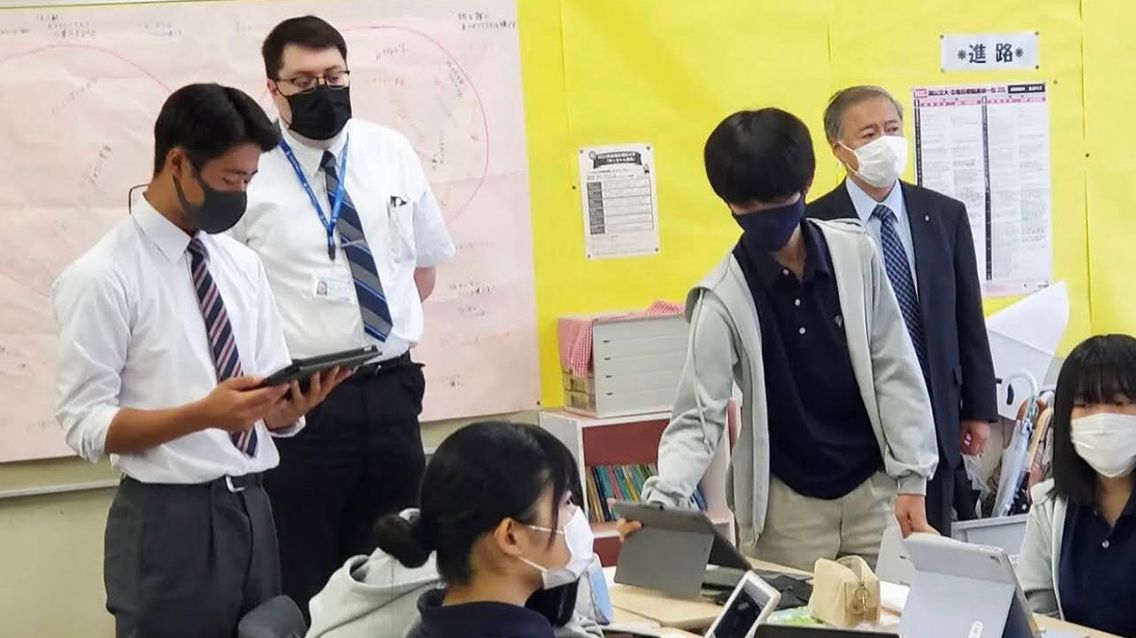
pixel 165 330
pixel 349 232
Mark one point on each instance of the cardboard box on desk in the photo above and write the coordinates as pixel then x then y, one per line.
pixel 634 368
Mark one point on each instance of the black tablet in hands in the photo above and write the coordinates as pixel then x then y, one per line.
pixel 302 369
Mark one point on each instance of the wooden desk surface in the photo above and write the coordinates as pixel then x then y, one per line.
pixel 699 614
pixel 624 617
pixel 668 612
pixel 673 612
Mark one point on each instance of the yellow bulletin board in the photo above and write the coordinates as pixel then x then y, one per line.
pixel 1110 148
pixel 665 72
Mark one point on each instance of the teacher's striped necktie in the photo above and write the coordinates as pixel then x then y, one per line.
pixel 222 341
pixel 899 273
pixel 368 287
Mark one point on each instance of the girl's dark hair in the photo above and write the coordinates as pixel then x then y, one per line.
pixel 480 475
pixel 1097 371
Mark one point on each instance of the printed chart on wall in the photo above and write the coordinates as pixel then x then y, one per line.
pixel 988 146
pixel 81 89
pixel 618 193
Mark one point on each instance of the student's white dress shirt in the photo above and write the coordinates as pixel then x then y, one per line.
pixel 401 220
pixel 131 334
pixel 864 205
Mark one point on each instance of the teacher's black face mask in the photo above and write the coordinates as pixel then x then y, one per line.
pixel 218 211
pixel 320 114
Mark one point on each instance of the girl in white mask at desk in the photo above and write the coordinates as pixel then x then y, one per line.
pixel 1079 555
pixel 377 597
pixel 497 513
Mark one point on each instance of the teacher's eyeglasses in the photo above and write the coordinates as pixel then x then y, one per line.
pixel 307 83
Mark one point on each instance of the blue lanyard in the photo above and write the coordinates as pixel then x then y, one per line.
pixel 337 203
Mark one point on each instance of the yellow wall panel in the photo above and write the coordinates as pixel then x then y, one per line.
pixel 1110 102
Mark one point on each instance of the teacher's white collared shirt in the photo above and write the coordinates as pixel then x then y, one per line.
pixel 131 335
pixel 401 220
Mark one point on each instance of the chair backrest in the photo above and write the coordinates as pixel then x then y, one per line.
pixel 278 617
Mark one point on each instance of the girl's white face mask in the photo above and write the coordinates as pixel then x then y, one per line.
pixel 578 535
pixel 882 160
pixel 1107 442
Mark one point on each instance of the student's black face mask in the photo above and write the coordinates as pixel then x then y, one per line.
pixel 320 114
pixel 556 604
pixel 218 212
pixel 771 229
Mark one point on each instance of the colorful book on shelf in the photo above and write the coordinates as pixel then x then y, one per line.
pixel 598 508
pixel 602 513
pixel 613 481
pixel 633 487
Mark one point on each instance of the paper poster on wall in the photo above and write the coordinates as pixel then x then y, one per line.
pixel 89 82
pixel 988 146
pixel 617 191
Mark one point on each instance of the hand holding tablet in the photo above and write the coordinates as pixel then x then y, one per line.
pixel 302 369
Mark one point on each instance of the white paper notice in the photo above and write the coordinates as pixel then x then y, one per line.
pixel 988 146
pixel 1024 338
pixel 617 189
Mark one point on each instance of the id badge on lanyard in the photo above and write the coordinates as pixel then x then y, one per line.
pixel 337 202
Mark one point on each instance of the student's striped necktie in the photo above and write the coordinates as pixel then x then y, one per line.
pixel 899 272
pixel 222 341
pixel 368 288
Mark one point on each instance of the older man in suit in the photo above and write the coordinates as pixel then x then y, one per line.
pixel 925 242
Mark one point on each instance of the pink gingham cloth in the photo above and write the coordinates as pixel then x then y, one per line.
pixel 574 335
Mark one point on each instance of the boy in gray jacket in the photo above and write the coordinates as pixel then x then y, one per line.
pixel 836 431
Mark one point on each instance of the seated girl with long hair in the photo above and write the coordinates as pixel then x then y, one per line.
pixel 496 510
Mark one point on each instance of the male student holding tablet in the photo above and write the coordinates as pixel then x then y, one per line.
pixel 165 333
pixel 350 233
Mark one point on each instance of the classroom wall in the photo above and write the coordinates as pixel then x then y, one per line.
pixel 601 71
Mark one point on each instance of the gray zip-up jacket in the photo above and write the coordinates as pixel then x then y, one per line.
pixel 376 597
pixel 725 348
pixel 1041 550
